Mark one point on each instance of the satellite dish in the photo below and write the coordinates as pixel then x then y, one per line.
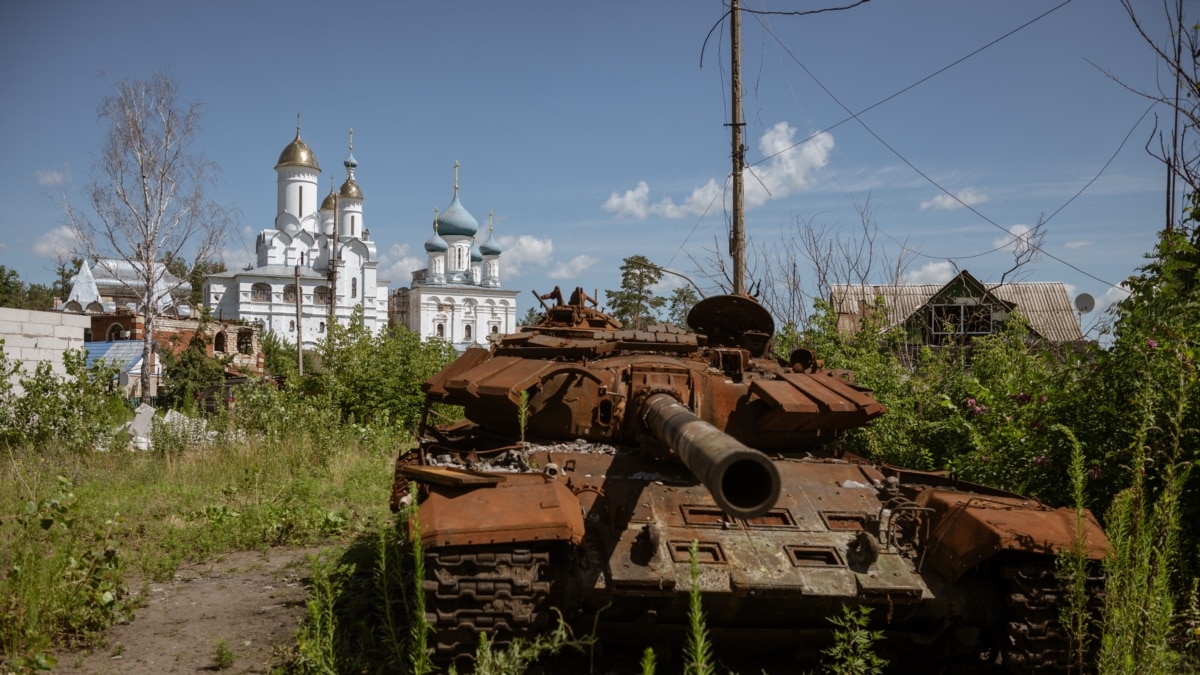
pixel 1085 303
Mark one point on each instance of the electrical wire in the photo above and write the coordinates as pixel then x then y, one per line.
pixel 856 117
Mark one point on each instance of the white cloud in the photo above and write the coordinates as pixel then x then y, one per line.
pixel 1111 297
pixel 397 264
pixel 47 177
pixel 1073 245
pixel 944 202
pixel 789 168
pixel 60 240
pixel 570 270
pixel 932 273
pixel 523 250
pixel 1020 239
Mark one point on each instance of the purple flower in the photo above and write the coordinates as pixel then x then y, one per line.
pixel 1040 460
pixel 1151 343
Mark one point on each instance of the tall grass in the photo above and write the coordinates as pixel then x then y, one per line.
pixel 76 528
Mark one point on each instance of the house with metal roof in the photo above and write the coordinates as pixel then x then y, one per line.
pixel 958 310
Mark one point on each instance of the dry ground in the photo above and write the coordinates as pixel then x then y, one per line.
pixel 252 600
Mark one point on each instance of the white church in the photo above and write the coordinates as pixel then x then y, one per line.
pixel 318 265
pixel 315 266
pixel 458 296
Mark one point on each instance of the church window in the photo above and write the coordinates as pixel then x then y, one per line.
pixel 322 295
pixel 260 293
pixel 467 331
pixel 441 330
pixel 353 225
pixel 245 341
pixel 114 332
pixel 292 325
pixel 354 288
pixel 301 209
pixel 321 327
pixel 219 342
pixel 495 329
pixel 289 293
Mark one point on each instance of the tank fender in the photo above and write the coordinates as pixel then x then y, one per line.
pixel 523 508
pixel 967 529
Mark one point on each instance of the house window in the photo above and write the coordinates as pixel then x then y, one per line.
pixel 960 320
pixel 260 293
pixel 322 295
pixel 289 293
pixel 354 288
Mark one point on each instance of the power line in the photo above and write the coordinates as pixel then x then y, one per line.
pixel 856 117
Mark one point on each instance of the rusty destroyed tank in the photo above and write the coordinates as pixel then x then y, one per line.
pixel 591 458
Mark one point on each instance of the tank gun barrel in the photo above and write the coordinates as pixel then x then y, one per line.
pixel 742 480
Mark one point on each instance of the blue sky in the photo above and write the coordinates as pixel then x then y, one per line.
pixel 593 132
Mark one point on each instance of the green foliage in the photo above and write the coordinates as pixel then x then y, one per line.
pixel 15 293
pixel 853 648
pixel 649 663
pixel 77 410
pixel 532 317
pixel 517 657
pixel 224 657
pixel 188 373
pixel 635 304
pixel 697 649
pixel 1074 568
pixel 376 379
pixel 62 576
pixel 679 304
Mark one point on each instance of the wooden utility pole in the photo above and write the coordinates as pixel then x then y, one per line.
pixel 299 328
pixel 737 237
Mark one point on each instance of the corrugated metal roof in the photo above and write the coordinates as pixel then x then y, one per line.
pixel 125 353
pixel 1044 304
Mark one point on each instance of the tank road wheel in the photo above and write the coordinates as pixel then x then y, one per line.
pixel 500 590
pixel 1036 640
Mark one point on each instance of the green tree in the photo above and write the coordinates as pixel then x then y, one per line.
pixel 682 300
pixel 12 290
pixel 532 317
pixel 376 379
pixel 190 371
pixel 635 305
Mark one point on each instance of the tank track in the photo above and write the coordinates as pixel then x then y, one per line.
pixel 1037 642
pixel 500 590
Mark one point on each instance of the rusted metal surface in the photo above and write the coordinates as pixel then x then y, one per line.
pixel 592 457
pixel 973 528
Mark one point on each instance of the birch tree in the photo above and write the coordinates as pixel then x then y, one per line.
pixel 148 196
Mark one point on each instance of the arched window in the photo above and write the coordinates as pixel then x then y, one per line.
pixel 245 341
pixel 467 332
pixel 260 292
pixel 495 329
pixel 289 293
pixel 354 288
pixel 114 332
pixel 321 327
pixel 219 342
pixel 441 330
pixel 292 325
pixel 322 295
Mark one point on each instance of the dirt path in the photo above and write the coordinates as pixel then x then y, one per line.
pixel 254 601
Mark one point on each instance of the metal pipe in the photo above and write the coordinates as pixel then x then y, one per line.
pixel 743 481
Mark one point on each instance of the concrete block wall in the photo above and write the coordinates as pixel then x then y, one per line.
pixel 31 337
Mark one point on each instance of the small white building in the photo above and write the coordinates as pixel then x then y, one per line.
pixel 317 265
pixel 458 297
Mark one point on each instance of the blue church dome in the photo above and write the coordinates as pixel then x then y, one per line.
pixel 456 220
